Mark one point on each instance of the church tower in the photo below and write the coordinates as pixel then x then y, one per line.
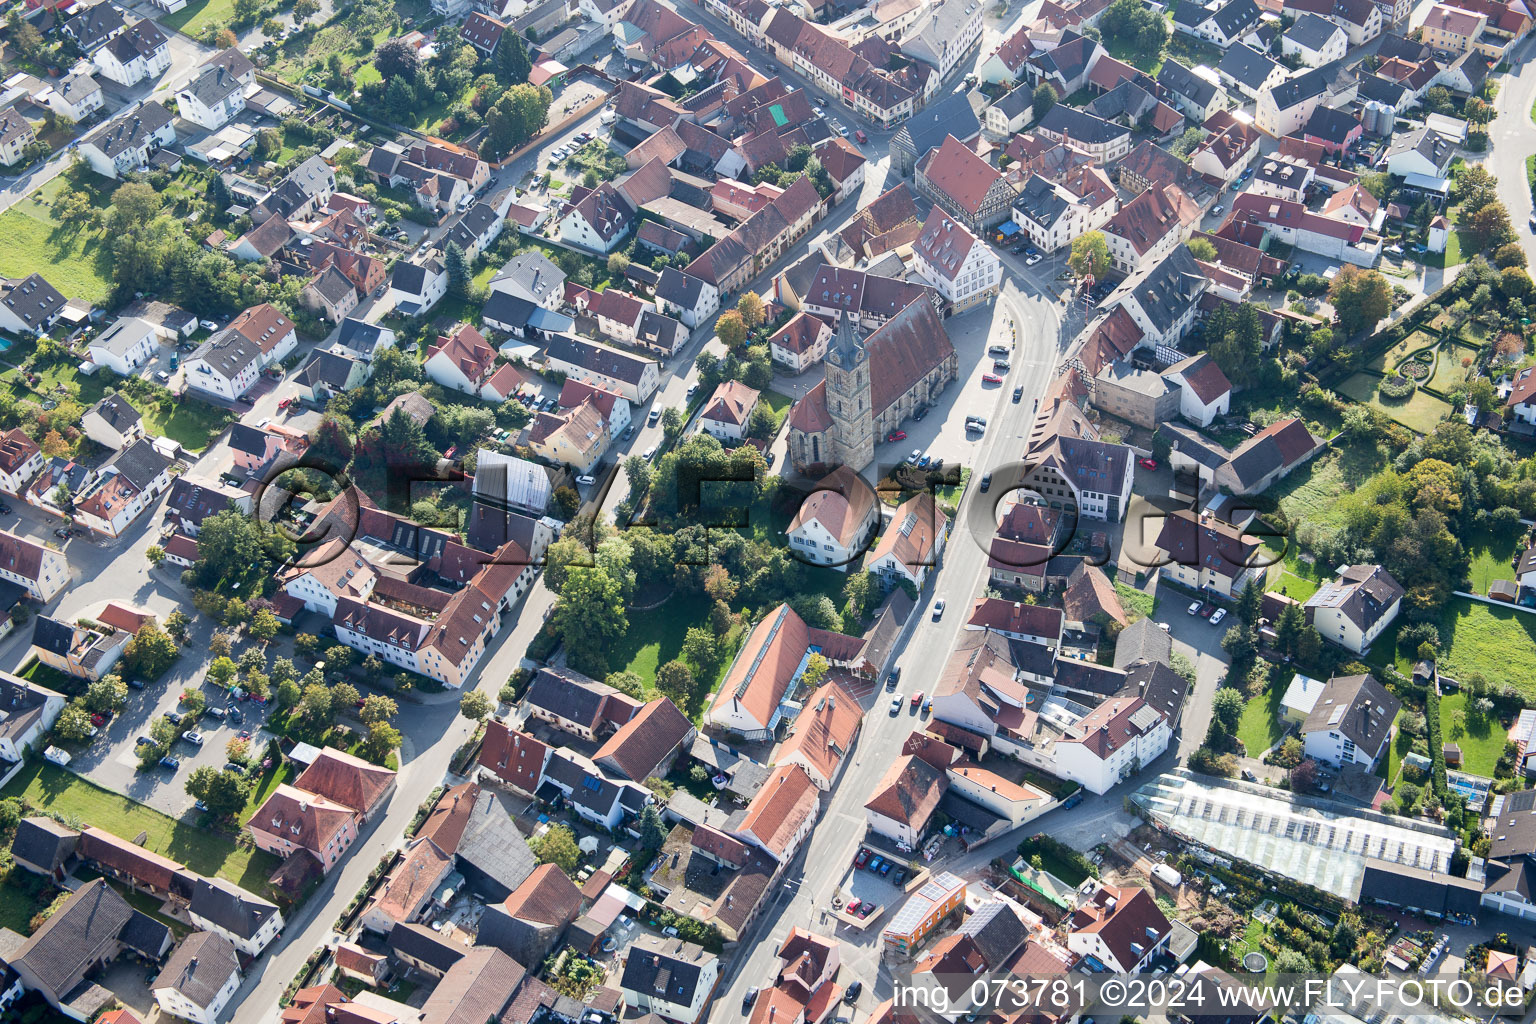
pixel 848 398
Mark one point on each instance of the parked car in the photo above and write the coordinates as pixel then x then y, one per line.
pixel 892 679
pixel 1147 463
pixel 917 453
pixel 1221 613
pixel 216 713
pixel 991 378
pixel 136 684
pixel 896 704
pixel 853 991
pixel 901 876
pixel 1194 608
pixel 143 741
pixel 862 858
pixel 747 1001
pixel 238 769
pixel 938 609
pixel 585 480
pixel 875 862
pixel 174 764
pixel 896 435
pixel 194 738
pixel 649 453
pixel 861 136
pixel 885 868
pixel 652 417
pixel 98 719
pixel 917 700
pixel 1032 260
pixel 174 717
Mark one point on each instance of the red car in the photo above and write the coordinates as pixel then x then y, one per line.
pixel 991 378
pixel 861 859
pixel 98 720
pixel 896 435
pixel 1148 463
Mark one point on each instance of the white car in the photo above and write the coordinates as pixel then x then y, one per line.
pixel 896 704
pixel 650 453
pixel 194 738
pixel 1221 613
pixel 585 480
pixel 938 609
pixel 1194 608
pixel 1032 260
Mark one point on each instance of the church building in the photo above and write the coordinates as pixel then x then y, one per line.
pixel 872 384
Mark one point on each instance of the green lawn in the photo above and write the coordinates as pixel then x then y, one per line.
pixel 1138 604
pixel 1448 369
pixel 1481 743
pixel 655 637
pixel 1290 584
pixel 1491 557
pixel 1419 412
pixel 199 14
pixel 18 899
pixel 780 406
pixel 73 260
pixel 1389 359
pixel 1260 727
pixel 1402 743
pixel 269 781
pixel 43 785
pixel 1311 493
pixel 1499 643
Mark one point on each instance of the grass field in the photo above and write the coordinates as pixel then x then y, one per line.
pixel 1138 604
pixel 44 785
pixel 655 637
pixel 1448 369
pixel 1499 643
pixel 1389 359
pixel 18 898
pixel 73 260
pixel 1401 744
pixel 1419 412
pixel 1311 493
pixel 1481 742
pixel 199 14
pixel 1288 583
pixel 1491 557
pixel 780 406
pixel 1260 726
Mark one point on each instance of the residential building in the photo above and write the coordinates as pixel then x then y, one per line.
pixel 1351 722
pixel 1053 213
pixel 1204 391
pixel 1220 22
pixel 125 346
pixel 30 712
pixel 689 299
pixel 137 54
pixel 41 571
pixel 577 437
pixel 1357 607
pixel 635 378
pixel 16 135
pixel 765 671
pixel 912 546
pixel 669 977
pixel 904 801
pixel 1205 552
pixel 76 650
pixel 1162 300
pixel 1198 93
pixel 922 912
pixel 727 412
pixel 964 270
pixel 780 817
pixel 199 979
pixel 77 96
pixel 1448 27
pixel 1084 473
pixel 464 361
pixel 648 744
pixel 417 285
pixel 964 185
pixel 598 221
pixel 1112 742
pixel 1285 107
pixel 212 98
pixel 1105 141
pixel 226 365
pixel 319 814
pixel 799 344
pixel 269 330
pixel 1248 71
pixel 29 305
pixel 1314 41
pixel 1419 151
pixel 1149 228
pixel 20 460
pixel 833 524
pixel 248 922
pixel 1119 929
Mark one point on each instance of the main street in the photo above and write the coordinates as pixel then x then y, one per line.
pixel 1510 136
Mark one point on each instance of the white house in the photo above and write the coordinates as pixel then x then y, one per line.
pixel 726 413
pixel 1351 723
pixel 1355 609
pixel 599 221
pixel 245 920
pixel 212 98
pixel 126 142
pixel 912 544
pixel 1204 391
pixel 831 527
pixel 125 346
pixel 1111 743
pixel 532 276
pixel 669 977
pixel 141 53
pixel 1120 928
pixel 801 343
pixel 77 97
pixel 685 297
pixel 226 365
pixel 904 801
pixel 41 571
pixel 20 460
pixel 198 979
pixel 1150 227
pixel 1284 108
pixel 1053 213
pixel 1314 41
pixel 124 488
pixel 20 728
pixel 112 422
pixel 1204 552
pixel 633 377
pixel 417 286
pixel 947 256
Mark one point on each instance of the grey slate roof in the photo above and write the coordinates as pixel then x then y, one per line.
pixel 1358 707
pixel 1246 65
pixel 1300 89
pixel 32 299
pixel 533 273
pixel 140 463
pixel 93 25
pixel 43 842
pixel 53 636
pixel 1142 639
pixel 609 362
pixel 85 926
pixel 326 368
pixel 230 907
pixel 228 352
pixel 1184 82
pixel 1311 31
pixel 664 968
pixel 199 967
pixel 1167 289
pixel 679 288
pixel 1235 16
pixel 1081 126
pixel 359 335
pixel 421 943
pixel 926 129
pixel 212 85
pixel 492 843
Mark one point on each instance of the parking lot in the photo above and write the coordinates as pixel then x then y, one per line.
pixel 873 878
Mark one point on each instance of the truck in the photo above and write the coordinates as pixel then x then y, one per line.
pixel 1167 875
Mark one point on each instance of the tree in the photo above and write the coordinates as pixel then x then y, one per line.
pixel 521 112
pixel 107 694
pixel 458 270
pixel 1202 249
pixel 74 723
pixel 1227 708
pixel 151 651
pixel 475 706
pixel 1043 100
pixel 1515 283
pixel 377 708
pixel 618 263
pixel 750 306
pixel 1490 226
pixel 316 708
pixel 1090 255
pixel 558 847
pixel 590 618
pixel 512 62
pixel 762 424
pixel 1304 776
pixel 1239 642
pixel 1133 25
pixel 238 750
pixel 287 694
pixel 223 793
pixel 345 695
pixel 304 645
pixel 263 626
pixel 1185 144
pixel 382 738
pixel 1481 395
pixel 154 554
pixel 702 649
pixel 1510 254
pixel 1361 298
pixel 731 329
pixel 674 680
pixel 176 625
pixel 816 669
pixel 303 10
pixel 194 703
pixel 23 34
pixel 397 59
pixel 221 671
pixel 652 832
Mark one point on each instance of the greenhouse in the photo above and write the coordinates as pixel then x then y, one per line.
pixel 1319 843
